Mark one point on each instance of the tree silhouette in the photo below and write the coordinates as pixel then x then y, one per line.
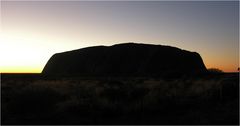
pixel 215 70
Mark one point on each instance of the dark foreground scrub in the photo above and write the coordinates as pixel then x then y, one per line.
pixel 201 100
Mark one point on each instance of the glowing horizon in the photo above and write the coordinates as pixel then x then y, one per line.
pixel 31 32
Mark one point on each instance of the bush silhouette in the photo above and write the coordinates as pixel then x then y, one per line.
pixel 215 70
pixel 34 99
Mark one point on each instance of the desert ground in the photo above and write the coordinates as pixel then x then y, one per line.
pixel 35 99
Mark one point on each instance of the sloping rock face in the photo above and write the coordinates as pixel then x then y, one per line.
pixel 129 59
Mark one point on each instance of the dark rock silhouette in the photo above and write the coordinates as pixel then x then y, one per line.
pixel 128 59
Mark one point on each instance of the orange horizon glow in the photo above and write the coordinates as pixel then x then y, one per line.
pixel 30 63
pixel 39 72
pixel 20 70
pixel 27 69
pixel 26 60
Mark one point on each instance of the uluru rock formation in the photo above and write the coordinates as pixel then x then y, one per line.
pixel 128 59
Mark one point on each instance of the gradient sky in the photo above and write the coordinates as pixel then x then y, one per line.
pixel 31 32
